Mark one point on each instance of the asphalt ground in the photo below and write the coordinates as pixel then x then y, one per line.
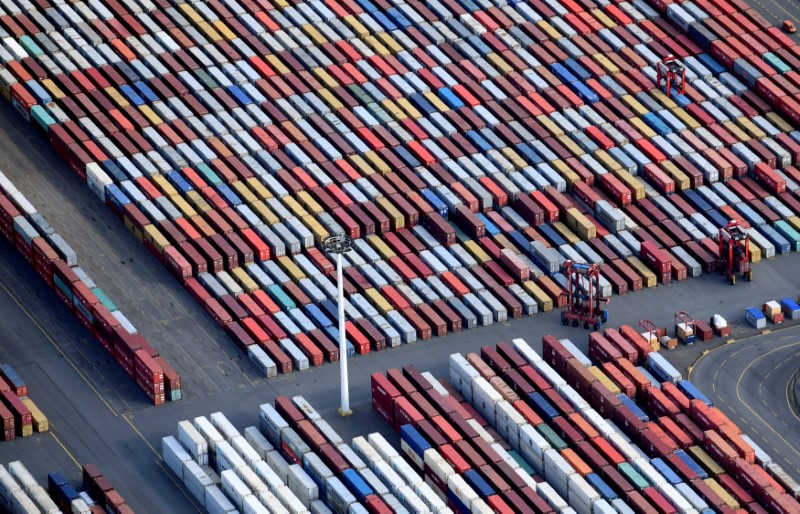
pixel 750 381
pixel 776 11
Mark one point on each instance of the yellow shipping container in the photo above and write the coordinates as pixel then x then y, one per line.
pixel 634 105
pixel 331 101
pixel 151 234
pixel 311 206
pixel 243 279
pixel 281 4
pixel 603 18
pixel 318 231
pixel 40 422
pixel 377 162
pixel 779 122
pixel 686 118
pixel 376 45
pixel 294 206
pixel 603 379
pixel 606 160
pixel 503 242
pixel 750 128
pixel 356 26
pixel 150 114
pixel 794 221
pixel 436 102
pixel 663 99
pixel 564 231
pixel 474 249
pixel 276 64
pixel 290 268
pixel 755 253
pixel 633 183
pixel 190 13
pixel 53 89
pixel 264 213
pixel 544 302
pixel 393 110
pixel 398 221
pixel 737 132
pixel 360 164
pixel 412 111
pixel 606 64
pixel 729 500
pixel 258 188
pixel 381 247
pixel 642 127
pixel 514 158
pixel 548 29
pixel 549 125
pixel 116 97
pixel 566 172
pixel 209 32
pixel 243 191
pixel 682 181
pixel 313 34
pixel 579 224
pixel 499 63
pixel 164 185
pixel 390 43
pixel 571 145
pixel 197 201
pixel 705 460
pixel 183 206
pixel 377 300
pixel 648 277
pixel 224 30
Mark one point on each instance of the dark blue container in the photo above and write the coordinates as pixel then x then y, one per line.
pixel 113 171
pixel 529 154
pixel 521 242
pixel 697 201
pixel 601 487
pixel 330 309
pixel 128 72
pixel 551 235
pixel 712 64
pixel 476 481
pixel 456 504
pixel 414 440
pixel 685 457
pixel 367 6
pixel 478 141
pixel 782 245
pixel 449 98
pixel 116 198
pixel 228 194
pixel 693 393
pixel 491 228
pixel 407 157
pixel 422 104
pixel 584 92
pixel 384 21
pixel 563 73
pixel 353 481
pixel 398 17
pixel 131 95
pixel 479 46
pixel 333 333
pixel 180 183
pixel 666 471
pixel 438 205
pixel 542 406
pixel 145 91
pixel 715 217
pixel 577 69
pixel 654 122
pixel 240 96
pixel 701 34
pixel 317 316
pixel 637 411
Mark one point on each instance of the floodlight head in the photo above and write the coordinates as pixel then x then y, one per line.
pixel 338 244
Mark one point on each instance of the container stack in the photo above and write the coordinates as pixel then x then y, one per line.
pixel 57 264
pixel 20 416
pixel 638 438
pixel 442 136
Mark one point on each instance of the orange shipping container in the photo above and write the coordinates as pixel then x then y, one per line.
pixel 624 383
pixel 576 462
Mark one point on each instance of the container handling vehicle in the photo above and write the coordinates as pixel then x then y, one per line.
pixel 674 75
pixel 734 252
pixel 584 303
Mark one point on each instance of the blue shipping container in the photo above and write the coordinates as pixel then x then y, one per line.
pixel 317 316
pixel 476 481
pixel 542 406
pixel 414 440
pixel 690 390
pixel 637 411
pixel 601 486
pixel 685 457
pixel 437 204
pixel 356 484
pixel 666 471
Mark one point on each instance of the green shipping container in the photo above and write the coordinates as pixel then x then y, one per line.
pixel 633 476
pixel 208 174
pixel 774 61
pixel 206 79
pixel 30 46
pixel 63 287
pixel 42 118
pixel 548 433
pixel 105 300
pixel 379 114
pixel 787 231
pixel 522 463
pixel 282 299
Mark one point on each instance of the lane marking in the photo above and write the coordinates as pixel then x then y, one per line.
pixel 69 454
pixel 57 347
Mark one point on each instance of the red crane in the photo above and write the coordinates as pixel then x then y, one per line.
pixel 584 303
pixel 673 72
pixel 734 252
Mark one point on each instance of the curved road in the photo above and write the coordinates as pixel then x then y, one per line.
pixel 749 381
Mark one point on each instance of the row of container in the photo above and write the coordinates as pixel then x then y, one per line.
pixel 56 263
pixel 19 415
pixel 23 494
pixel 551 407
pixel 464 220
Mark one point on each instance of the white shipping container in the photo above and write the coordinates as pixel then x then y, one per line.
pixel 278 464
pixel 405 471
pixel 271 423
pixel 209 433
pixel 532 446
pixel 302 485
pixel 557 471
pixel 351 456
pixel 319 507
pixel 366 451
pixel 525 350
pixel 251 479
pixel 410 500
pixel 268 476
pixel 234 488
pixel 217 502
pixel 429 497
pixel 258 441
pixel 382 446
pixel 581 495
pixel 174 455
pixel 77 506
pixel 245 451
pixel 546 491
pixel 339 498
pixel 290 501
pixel 459 487
pixel 461 375
pixel 196 480
pixel 485 398
pixel 388 476
pixel 193 441
pixel 23 477
pixel 252 505
pixel 227 458
pixel 437 466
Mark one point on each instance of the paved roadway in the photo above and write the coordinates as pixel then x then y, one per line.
pixel 749 380
pixel 776 11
